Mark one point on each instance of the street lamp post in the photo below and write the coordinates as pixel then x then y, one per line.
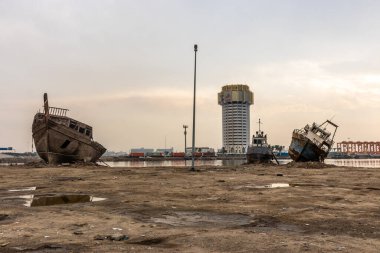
pixel 195 82
pixel 184 127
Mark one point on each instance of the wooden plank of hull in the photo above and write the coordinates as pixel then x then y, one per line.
pixel 59 144
pixel 303 150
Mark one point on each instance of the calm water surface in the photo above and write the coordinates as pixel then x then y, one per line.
pixel 372 163
pixel 176 163
pixel 369 163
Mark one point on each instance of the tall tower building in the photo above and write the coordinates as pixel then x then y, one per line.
pixel 235 101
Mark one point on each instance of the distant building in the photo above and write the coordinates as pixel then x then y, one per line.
pixel 141 152
pixel 146 152
pixel 235 101
pixel 359 147
pixel 165 151
pixel 200 151
pixel 113 153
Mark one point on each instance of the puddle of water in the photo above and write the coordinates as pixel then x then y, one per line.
pixel 148 241
pixel 47 200
pixel 202 218
pixel 270 186
pixel 276 185
pixel 27 198
pixel 18 197
pixel 50 199
pixel 23 189
pixel 58 200
pixel 3 217
pixel 95 199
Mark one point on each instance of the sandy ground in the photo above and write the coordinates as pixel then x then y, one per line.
pixel 216 209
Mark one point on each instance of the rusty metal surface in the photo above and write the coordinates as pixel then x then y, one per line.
pixel 302 149
pixel 313 142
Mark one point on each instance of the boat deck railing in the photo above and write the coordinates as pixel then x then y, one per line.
pixel 57 111
pixel 300 131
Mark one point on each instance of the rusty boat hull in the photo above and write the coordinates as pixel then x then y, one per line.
pixel 301 149
pixel 257 154
pixel 56 142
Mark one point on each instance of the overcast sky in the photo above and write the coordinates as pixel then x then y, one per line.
pixel 126 67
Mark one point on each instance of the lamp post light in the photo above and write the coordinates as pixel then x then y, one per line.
pixel 185 132
pixel 195 82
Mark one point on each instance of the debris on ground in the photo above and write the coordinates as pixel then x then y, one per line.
pixel 308 165
pixel 111 237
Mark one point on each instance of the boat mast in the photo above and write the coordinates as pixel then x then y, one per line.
pixel 259 125
pixel 46 108
pixel 46 105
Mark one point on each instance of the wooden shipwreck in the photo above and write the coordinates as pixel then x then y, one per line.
pixel 60 139
pixel 312 143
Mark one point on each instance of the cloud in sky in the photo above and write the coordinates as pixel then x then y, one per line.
pixel 126 67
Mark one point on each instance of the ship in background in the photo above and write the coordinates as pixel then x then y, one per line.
pixel 60 139
pixel 260 151
pixel 313 142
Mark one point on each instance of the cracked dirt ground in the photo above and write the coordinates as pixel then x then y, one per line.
pixel 216 209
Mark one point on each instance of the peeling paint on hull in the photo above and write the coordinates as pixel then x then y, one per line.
pixel 303 150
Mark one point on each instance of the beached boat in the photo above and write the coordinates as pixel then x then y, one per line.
pixel 259 151
pixel 312 143
pixel 60 139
